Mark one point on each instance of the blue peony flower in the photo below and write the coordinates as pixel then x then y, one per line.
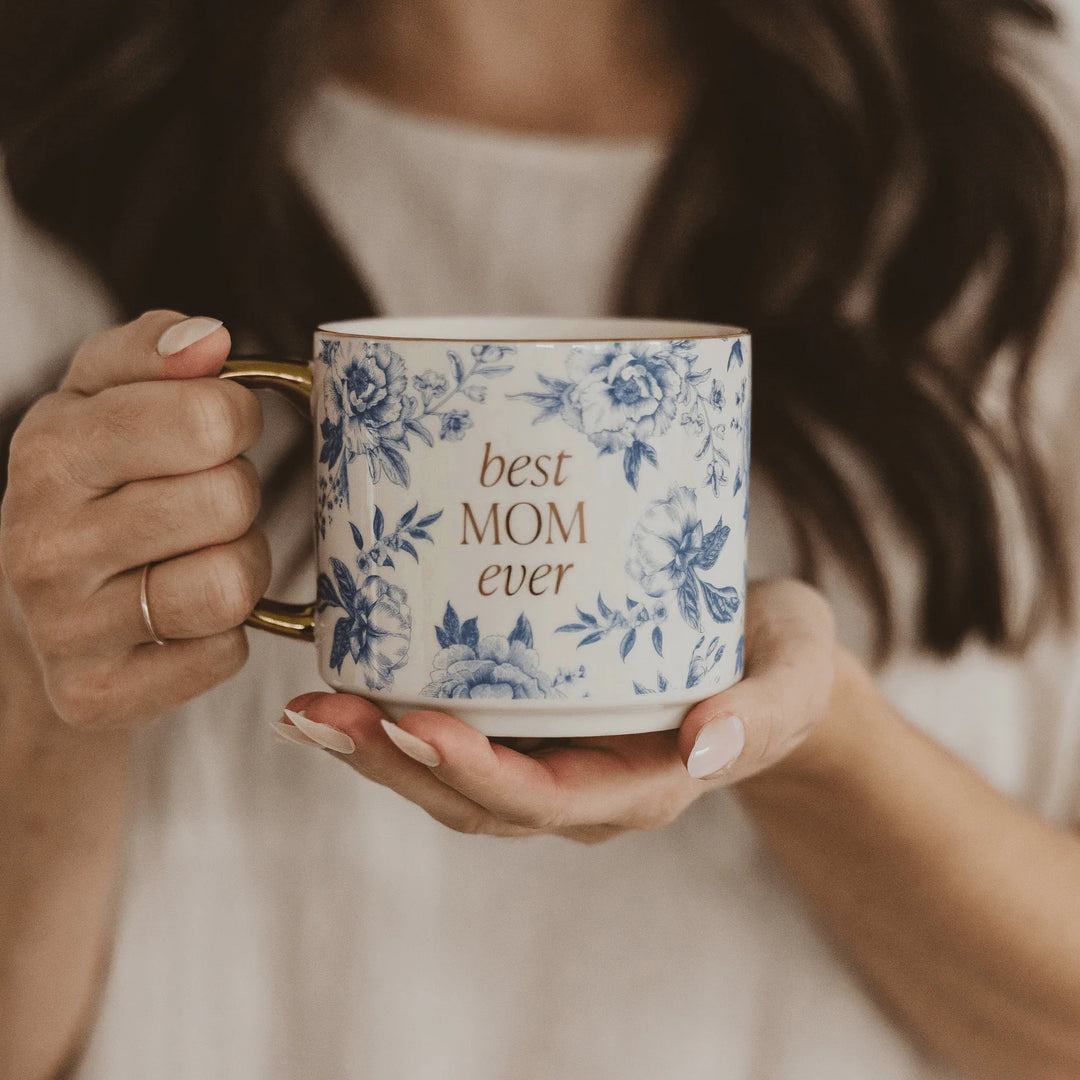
pixel 371 396
pixel 626 394
pixel 494 667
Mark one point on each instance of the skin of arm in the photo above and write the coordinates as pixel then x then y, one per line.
pixel 63 809
pixel 959 906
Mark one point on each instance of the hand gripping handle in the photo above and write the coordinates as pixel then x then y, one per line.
pixel 292 379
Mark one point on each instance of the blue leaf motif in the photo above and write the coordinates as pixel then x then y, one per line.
pixel 632 463
pixel 408 515
pixel 522 632
pixel 470 633
pixel 458 367
pixel 661 683
pixel 570 628
pixel 451 624
pixel 327 594
pixel 711 546
pixel 735 356
pixel 739 657
pixel 442 638
pixel 397 468
pixel 333 441
pixel 358 538
pixel 658 640
pixel 417 428
pixel 340 647
pixel 604 610
pixel 585 617
pixel 687 597
pixel 590 639
pixel 627 643
pixel 344 582
pixel 406 546
pixel 429 519
pixel 377 524
pixel 721 603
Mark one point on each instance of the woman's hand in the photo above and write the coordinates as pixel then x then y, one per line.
pixel 591 789
pixel 134 461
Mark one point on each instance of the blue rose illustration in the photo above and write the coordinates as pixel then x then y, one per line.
pixel 376 629
pixel 500 667
pixel 372 395
pixel 624 395
pixel 669 549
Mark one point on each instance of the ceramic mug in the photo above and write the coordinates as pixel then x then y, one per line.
pixel 537 524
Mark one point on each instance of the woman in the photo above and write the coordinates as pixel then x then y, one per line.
pixel 835 893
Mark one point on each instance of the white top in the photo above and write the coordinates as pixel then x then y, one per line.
pixel 283 918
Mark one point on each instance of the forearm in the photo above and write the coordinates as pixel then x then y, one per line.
pixel 959 906
pixel 62 815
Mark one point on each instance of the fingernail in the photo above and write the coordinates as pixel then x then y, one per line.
pixel 291 733
pixel 416 748
pixel 186 333
pixel 323 734
pixel 718 745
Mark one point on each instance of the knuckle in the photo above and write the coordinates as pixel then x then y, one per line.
pixel 233 497
pixel 216 419
pixel 232 587
pixel 34 445
pixel 33 557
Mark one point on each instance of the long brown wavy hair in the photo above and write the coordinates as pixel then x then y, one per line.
pixel 148 135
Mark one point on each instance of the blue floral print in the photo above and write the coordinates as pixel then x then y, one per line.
pixel 371 412
pixel 624 398
pixel 669 550
pixel 497 667
pixel 376 629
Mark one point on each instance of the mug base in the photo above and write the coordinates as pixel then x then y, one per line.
pixel 572 718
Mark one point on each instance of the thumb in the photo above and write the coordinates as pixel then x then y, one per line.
pixel 790 650
pixel 157 345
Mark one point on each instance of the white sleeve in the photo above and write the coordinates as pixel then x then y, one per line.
pixel 49 302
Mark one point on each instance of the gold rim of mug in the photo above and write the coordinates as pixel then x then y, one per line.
pixel 715 331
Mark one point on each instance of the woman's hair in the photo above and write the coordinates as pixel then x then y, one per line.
pixel 849 188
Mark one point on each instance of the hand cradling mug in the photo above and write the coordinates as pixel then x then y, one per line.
pixel 538 525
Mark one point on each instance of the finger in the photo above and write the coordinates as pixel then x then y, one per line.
pixel 155 520
pixel 789 649
pixel 632 782
pixel 196 595
pixel 376 758
pixel 144 430
pixel 104 693
pixel 157 345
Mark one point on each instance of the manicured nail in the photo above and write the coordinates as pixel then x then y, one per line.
pixel 416 748
pixel 292 733
pixel 718 745
pixel 186 333
pixel 323 734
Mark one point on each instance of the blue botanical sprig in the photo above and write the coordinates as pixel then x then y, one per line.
pixel 610 620
pixel 661 685
pixel 399 538
pixel 436 390
pixel 702 661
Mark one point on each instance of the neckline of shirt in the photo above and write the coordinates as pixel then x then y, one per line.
pixel 363 109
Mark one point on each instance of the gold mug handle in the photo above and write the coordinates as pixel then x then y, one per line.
pixel 292 379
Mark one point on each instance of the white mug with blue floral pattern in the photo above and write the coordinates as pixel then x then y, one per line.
pixel 537 524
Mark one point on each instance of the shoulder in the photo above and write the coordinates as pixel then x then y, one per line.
pixel 49 301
